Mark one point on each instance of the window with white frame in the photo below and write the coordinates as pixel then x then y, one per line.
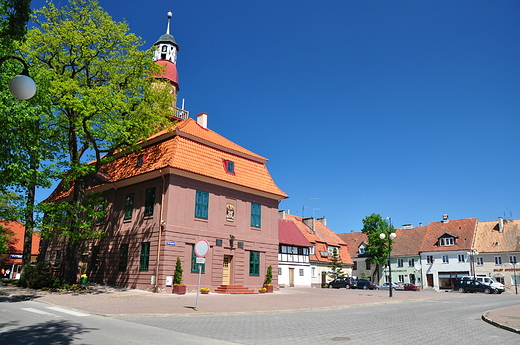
pixel 512 259
pixel 313 271
pixel 400 278
pixel 498 260
pixel 279 271
pixel 399 262
pixel 445 259
pixel 515 280
pixel 301 272
pixel 361 249
pixel 446 241
pixel 429 259
pixel 411 262
pixel 461 258
pixel 311 250
pixel 331 251
pixel 480 261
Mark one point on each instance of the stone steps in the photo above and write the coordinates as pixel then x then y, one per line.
pixel 233 289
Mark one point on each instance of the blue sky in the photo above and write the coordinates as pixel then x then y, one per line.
pixel 409 109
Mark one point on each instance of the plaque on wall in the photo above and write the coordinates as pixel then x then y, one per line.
pixel 230 212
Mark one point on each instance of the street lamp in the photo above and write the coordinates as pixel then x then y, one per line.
pixel 472 253
pixel 391 236
pixel 21 86
pixel 514 270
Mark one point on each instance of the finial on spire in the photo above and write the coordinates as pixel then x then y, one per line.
pixel 170 15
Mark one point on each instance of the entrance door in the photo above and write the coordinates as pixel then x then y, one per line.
pixel 226 270
pixel 291 277
pixel 429 279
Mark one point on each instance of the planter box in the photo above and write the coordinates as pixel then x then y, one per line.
pixel 269 288
pixel 179 289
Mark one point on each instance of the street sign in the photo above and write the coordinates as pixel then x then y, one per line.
pixel 170 243
pixel 201 248
pixel 200 260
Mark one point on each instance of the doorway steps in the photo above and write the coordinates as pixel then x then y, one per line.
pixel 233 289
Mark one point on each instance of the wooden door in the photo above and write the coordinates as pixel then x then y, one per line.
pixel 226 270
pixel 291 277
pixel 429 279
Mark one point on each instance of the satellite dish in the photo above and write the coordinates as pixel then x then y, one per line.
pixel 418 266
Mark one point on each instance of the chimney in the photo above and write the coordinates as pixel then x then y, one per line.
pixel 322 220
pixel 500 224
pixel 445 218
pixel 407 226
pixel 310 223
pixel 202 120
pixel 420 224
pixel 281 214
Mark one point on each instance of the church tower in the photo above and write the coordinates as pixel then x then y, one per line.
pixel 166 55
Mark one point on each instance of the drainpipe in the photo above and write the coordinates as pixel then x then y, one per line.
pixel 162 223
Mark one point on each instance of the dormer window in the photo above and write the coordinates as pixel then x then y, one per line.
pixel 229 166
pixel 446 241
pixel 141 159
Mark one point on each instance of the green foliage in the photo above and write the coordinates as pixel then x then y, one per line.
pixel 73 223
pixel 335 265
pixel 377 248
pixel 14 15
pixel 35 276
pixel 269 275
pixel 96 87
pixel 177 274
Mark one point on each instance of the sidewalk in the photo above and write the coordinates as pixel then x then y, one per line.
pixel 111 301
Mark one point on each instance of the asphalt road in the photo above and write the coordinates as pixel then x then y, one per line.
pixel 454 320
pixel 446 320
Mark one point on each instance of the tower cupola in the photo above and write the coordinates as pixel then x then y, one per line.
pixel 166 55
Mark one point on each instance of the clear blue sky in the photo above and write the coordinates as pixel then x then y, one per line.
pixel 409 109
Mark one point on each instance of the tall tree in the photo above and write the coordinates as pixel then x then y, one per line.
pixel 103 98
pixel 377 248
pixel 14 15
pixel 335 265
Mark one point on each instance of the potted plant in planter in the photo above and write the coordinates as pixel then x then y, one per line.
pixel 269 279
pixel 178 287
pixel 204 290
pixel 262 290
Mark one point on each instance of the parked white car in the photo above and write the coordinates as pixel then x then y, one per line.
pixel 487 280
pixel 395 286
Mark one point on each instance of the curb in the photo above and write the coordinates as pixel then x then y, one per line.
pixel 498 324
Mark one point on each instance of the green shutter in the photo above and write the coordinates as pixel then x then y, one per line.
pixel 123 257
pixel 149 201
pixel 201 204
pixel 129 205
pixel 145 256
pixel 256 215
pixel 194 264
pixel 254 263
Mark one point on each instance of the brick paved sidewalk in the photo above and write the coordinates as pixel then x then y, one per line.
pixel 105 300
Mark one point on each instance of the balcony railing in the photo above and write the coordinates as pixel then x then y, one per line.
pixel 180 114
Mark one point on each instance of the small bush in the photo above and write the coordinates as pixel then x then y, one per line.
pixel 35 277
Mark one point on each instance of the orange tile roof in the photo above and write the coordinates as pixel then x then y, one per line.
pixel 16 238
pixel 353 241
pixel 464 229
pixel 489 239
pixel 321 237
pixel 408 241
pixel 193 149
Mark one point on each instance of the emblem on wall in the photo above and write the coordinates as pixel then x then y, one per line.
pixel 230 212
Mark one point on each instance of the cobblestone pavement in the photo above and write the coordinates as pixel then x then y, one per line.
pixel 105 300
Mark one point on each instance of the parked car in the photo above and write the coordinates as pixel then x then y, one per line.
pixel 464 285
pixel 386 285
pixel 487 280
pixel 410 287
pixel 343 282
pixel 365 284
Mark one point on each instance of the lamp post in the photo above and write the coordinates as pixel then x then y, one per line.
pixel 472 253
pixel 21 86
pixel 391 236
pixel 514 272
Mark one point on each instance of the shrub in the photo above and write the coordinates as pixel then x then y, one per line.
pixel 35 277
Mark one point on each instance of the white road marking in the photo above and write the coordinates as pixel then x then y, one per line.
pixel 41 312
pixel 67 311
